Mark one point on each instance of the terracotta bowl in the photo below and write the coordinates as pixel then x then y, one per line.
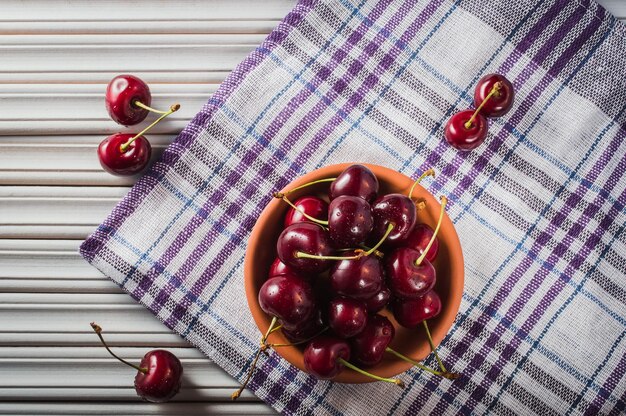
pixel 261 252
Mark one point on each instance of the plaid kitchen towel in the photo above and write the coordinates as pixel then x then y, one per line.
pixel 539 207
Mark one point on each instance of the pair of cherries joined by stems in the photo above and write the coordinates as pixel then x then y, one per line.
pixel 340 263
pixel 493 97
pixel 128 102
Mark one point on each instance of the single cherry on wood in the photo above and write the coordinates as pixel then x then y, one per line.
pixel 127 154
pixel 355 180
pixel 120 162
pixel 159 374
pixel 501 99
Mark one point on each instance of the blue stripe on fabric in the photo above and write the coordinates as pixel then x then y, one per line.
pixel 519 245
pixel 554 318
pixel 551 355
pixel 391 82
pixel 590 381
pixel 240 141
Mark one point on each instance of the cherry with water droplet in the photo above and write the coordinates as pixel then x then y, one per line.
pixel 395 210
pixel 377 302
pixel 359 279
pixel 411 312
pixel 370 345
pixel 419 239
pixel 355 180
pixel 288 298
pixel 349 221
pixel 347 317
pixel 301 239
pixel 309 205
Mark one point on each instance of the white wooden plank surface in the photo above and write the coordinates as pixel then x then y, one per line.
pixel 57 57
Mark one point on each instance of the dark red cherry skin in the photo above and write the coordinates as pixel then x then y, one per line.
pixel 355 180
pixel 308 238
pixel 121 94
pixel 358 279
pixel 378 301
pixel 498 104
pixel 406 279
pixel 311 205
pixel 347 317
pixel 278 268
pixel 397 209
pixel 349 221
pixel 163 379
pixel 305 331
pixel 463 138
pixel 419 239
pixel 130 162
pixel 321 356
pixel 289 298
pixel 368 347
pixel 411 312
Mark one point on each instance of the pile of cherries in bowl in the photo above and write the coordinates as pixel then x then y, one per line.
pixel 344 268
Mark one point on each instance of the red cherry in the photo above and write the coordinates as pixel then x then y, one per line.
pixel 323 355
pixel 347 317
pixel 406 278
pixel 159 374
pixel 419 239
pixel 355 180
pixel 396 209
pixel 349 221
pixel 278 268
pixel 411 312
pixel 121 95
pixel 313 206
pixel 500 102
pixel 368 347
pixel 463 135
pixel 308 238
pixel 289 298
pixel 307 330
pixel 118 162
pixel 162 380
pixel 359 279
pixel 379 300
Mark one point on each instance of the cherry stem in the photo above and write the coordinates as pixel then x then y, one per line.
pixel 377 253
pixel 433 348
pixel 395 381
pixel 390 228
pixel 279 195
pixel 359 252
pixel 494 90
pixel 145 107
pixel 262 349
pixel 276 329
pixel 429 172
pixel 290 344
pixel 307 216
pixel 98 330
pixel 444 202
pixel 419 365
pixel 173 109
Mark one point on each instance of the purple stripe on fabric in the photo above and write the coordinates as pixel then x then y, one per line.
pixel 294 17
pixel 517 117
pixel 529 290
pixel 533 35
pixel 92 245
pixel 216 197
pixel 609 385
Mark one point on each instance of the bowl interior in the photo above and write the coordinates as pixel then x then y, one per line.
pixel 261 251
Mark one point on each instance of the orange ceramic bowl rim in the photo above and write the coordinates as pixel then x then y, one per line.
pixel 411 342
